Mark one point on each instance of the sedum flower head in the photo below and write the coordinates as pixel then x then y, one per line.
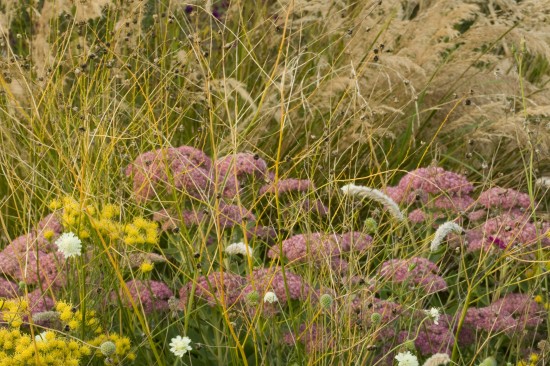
pixel 180 345
pixel 406 359
pixel 69 245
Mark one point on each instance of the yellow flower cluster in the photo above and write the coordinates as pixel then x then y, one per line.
pixel 73 318
pixel 19 349
pixel 13 311
pixel 140 232
pixel 106 223
pixel 532 361
pixel 146 267
pixel 70 218
pixel 123 347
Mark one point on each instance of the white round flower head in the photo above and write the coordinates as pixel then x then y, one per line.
pixel 180 345
pixel 270 297
pixel 406 359
pixel 69 245
pixel 434 314
pixel 239 248
pixel 40 337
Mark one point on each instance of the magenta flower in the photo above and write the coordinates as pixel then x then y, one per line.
pixel 435 180
pixel 8 289
pixel 40 268
pixel 233 168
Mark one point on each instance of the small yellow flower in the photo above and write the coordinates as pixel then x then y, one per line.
pixel 49 234
pixel 538 299
pixel 55 204
pixel 534 357
pixel 146 267
pixel 84 234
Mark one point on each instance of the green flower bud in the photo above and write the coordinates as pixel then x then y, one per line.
pixel 107 348
pixel 326 301
pixel 376 318
pixel 253 298
pixel 489 361
pixel 371 225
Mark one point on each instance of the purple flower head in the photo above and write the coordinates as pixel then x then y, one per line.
pixel 284 186
pixel 417 272
pixel 355 241
pixel 210 289
pixel 40 268
pixel 511 314
pixel 265 233
pixel 435 180
pixel 152 295
pixel 388 312
pixel 302 247
pixel 8 289
pixel 435 338
pixel 395 193
pixel 453 203
pixel 417 216
pixel 168 221
pixel 315 338
pixel 38 302
pixel 265 280
pixel 510 230
pixel 477 215
pixel 231 215
pixel 316 207
pixel 233 168
pixel 498 197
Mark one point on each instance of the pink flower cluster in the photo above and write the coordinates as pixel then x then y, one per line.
pixel 284 186
pixel 416 272
pixel 189 168
pixel 233 168
pixel 300 247
pixel 498 197
pixel 152 295
pixel 210 289
pixel 510 314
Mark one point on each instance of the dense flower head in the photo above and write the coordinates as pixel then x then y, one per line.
pixel 452 203
pixel 406 359
pixel 318 246
pixel 40 268
pixel 315 338
pixel 180 345
pixel 69 245
pixel 8 289
pixel 416 272
pixel 231 215
pixel 73 319
pixel 141 232
pixel 189 167
pixel 435 180
pixel 152 295
pixel 512 313
pixel 510 230
pixel 433 338
pixel 315 206
pixel 503 198
pixel 234 168
pixel 266 233
pixel 170 221
pixel 265 280
pixel 18 348
pixel 210 289
pixel 123 347
pixel 284 186
pixel 387 315
pixel 239 248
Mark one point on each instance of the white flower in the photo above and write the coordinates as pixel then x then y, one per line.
pixel 437 360
pixel 180 345
pixel 270 297
pixel 406 359
pixel 239 248
pixel 40 337
pixel 375 195
pixel 434 314
pixel 442 231
pixel 69 244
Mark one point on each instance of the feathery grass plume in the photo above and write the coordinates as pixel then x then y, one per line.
pixel 442 231
pixel 376 195
pixel 438 359
pixel 239 248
